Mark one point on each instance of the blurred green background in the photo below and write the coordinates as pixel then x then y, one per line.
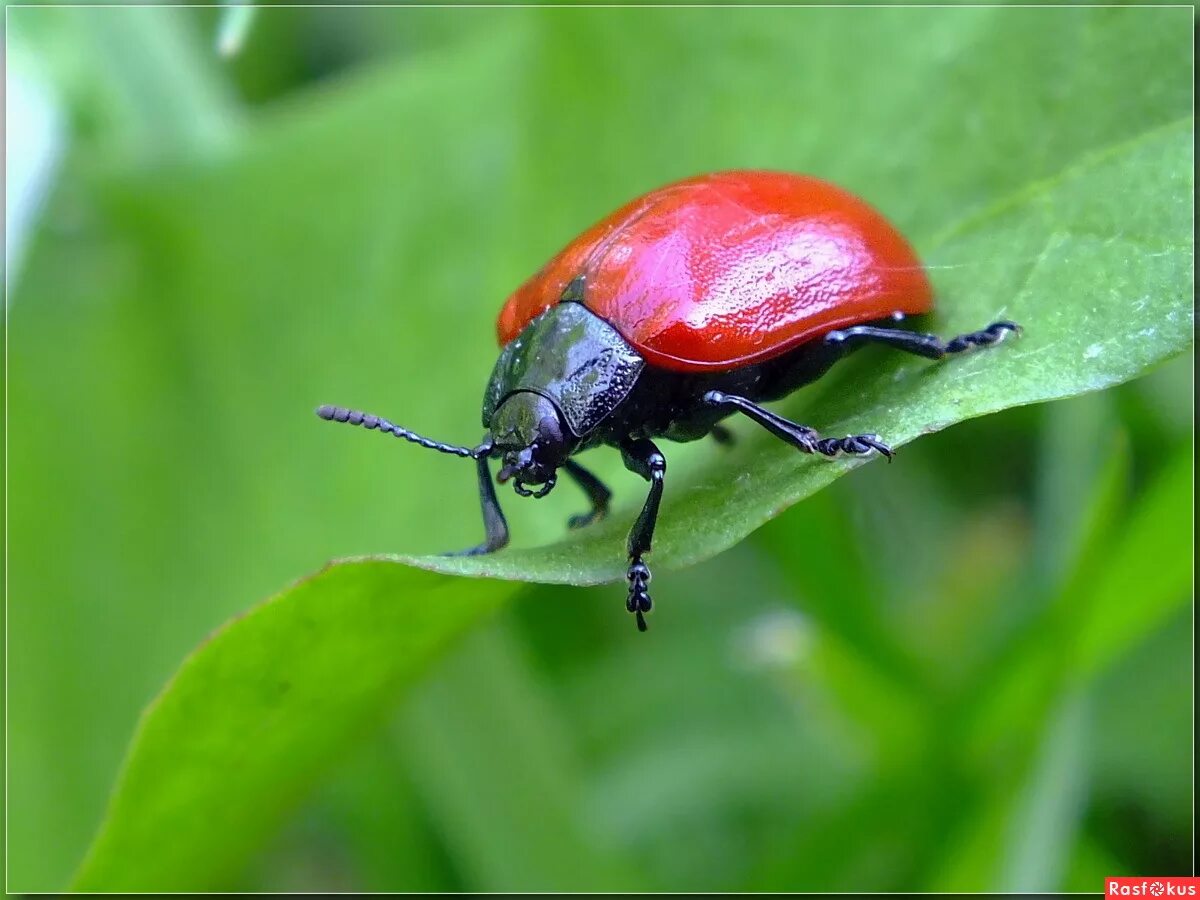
pixel 218 221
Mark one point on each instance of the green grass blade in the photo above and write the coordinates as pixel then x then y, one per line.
pixel 1047 814
pixel 492 756
pixel 1147 576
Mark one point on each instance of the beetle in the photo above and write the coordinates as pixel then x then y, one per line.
pixel 700 299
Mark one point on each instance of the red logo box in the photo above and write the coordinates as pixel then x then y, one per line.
pixel 1152 886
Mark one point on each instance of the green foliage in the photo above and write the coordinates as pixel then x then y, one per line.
pixel 261 704
pixel 925 722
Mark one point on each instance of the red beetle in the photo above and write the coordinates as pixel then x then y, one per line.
pixel 695 301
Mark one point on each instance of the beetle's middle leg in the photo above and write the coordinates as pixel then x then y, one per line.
pixel 645 459
pixel 928 345
pixel 801 437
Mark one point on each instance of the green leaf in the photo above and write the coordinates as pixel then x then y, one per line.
pixel 1104 295
pixel 267 700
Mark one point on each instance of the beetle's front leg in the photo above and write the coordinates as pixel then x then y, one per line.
pixel 494 524
pixel 644 458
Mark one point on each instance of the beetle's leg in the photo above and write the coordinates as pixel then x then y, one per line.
pixel 596 492
pixel 642 457
pixel 722 435
pixel 494 524
pixel 928 345
pixel 799 436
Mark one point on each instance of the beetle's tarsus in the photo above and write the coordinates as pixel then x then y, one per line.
pixel 638 601
pixel 985 337
pixel 854 445
pixel 583 520
pixel 596 492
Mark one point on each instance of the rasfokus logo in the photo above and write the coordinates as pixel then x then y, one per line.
pixel 1145 886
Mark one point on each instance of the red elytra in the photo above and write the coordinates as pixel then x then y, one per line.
pixel 731 268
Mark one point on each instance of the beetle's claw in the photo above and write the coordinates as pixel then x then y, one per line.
pixel 1005 327
pixel 874 443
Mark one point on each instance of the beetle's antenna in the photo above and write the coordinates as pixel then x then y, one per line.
pixel 366 420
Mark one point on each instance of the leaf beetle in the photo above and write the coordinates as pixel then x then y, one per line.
pixel 700 299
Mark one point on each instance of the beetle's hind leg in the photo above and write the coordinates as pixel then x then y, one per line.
pixel 928 345
pixel 597 494
pixel 801 437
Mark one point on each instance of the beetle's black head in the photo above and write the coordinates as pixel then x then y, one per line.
pixel 527 429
